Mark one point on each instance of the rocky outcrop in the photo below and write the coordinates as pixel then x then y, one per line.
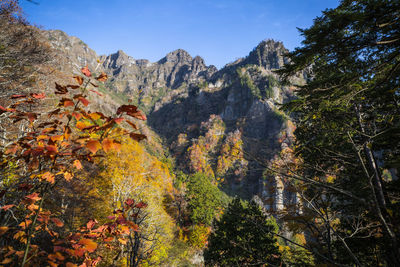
pixel 181 94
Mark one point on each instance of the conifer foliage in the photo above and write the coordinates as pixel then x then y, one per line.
pixel 347 118
pixel 244 236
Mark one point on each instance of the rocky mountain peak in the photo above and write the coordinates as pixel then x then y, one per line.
pixel 177 56
pixel 268 54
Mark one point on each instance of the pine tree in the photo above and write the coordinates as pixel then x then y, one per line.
pixel 244 236
pixel 348 124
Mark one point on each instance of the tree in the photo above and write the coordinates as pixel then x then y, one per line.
pixel 348 121
pixel 205 199
pixel 244 236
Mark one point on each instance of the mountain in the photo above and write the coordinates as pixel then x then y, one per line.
pixel 225 123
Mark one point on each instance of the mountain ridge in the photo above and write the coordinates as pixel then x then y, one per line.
pixel 187 102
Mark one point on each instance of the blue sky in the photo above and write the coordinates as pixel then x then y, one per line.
pixel 220 31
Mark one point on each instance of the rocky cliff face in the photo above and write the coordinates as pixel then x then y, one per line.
pixel 222 122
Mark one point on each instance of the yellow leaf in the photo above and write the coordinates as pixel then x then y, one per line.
pixel 122 241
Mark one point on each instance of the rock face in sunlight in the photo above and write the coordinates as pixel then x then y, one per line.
pixel 202 113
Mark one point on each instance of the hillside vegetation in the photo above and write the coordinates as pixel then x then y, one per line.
pixel 278 159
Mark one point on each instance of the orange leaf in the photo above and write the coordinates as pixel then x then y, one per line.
pixel 69 264
pixel 6 261
pixel 86 71
pixel 79 79
pixel 68 176
pixel 68 103
pixel 119 120
pixel 49 177
pixel 96 115
pixel 52 264
pixel 32 198
pixel 102 77
pixel 117 146
pixel 77 164
pixel 33 207
pixel 25 224
pixel 57 222
pixel 57 138
pixel 107 144
pixel 93 146
pixel 67 132
pixel 88 244
pixel 3 230
pixel 80 125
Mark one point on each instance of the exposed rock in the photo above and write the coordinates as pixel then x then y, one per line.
pixel 181 93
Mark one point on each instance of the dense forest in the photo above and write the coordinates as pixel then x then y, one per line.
pixel 278 159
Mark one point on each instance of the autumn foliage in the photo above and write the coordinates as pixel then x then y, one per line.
pixel 49 149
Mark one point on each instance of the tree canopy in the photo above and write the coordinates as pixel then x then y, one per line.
pixel 348 125
pixel 244 236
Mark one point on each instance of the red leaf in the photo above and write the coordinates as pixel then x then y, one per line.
pixel 77 116
pixel 141 205
pixel 38 96
pixel 3 108
pixel 24 187
pixel 52 149
pixel 31 116
pixel 129 202
pixel 95 92
pixel 7 207
pixel 84 101
pixel 90 224
pixel 127 108
pixel 86 71
pixel 17 96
